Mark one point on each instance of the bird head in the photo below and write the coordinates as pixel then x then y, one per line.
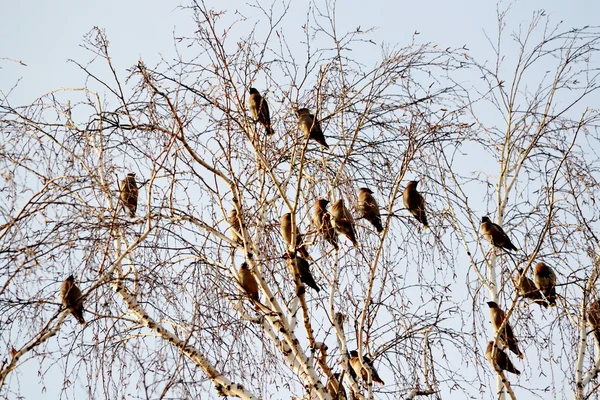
pixel 413 184
pixel 323 202
pixel 366 190
pixel 492 304
pixel 71 278
pixel 131 175
pixel 302 111
pixel 244 266
pixel 485 219
pixel 253 91
pixel 353 353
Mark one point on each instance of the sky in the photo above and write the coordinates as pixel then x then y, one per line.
pixel 44 35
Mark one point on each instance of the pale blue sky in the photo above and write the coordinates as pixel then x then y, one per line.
pixel 44 34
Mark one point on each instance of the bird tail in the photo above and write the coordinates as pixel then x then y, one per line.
pixel 79 318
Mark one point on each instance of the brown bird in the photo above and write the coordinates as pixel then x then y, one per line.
pixel 336 388
pixel 260 110
pixel 545 280
pixel 286 228
pixel 236 227
pixel 310 126
pixel 593 317
pixel 322 221
pixel 72 298
pixel 527 289
pixel 129 193
pixel 495 235
pixel 343 222
pixel 502 362
pixel 368 364
pixel 303 269
pixel 415 203
pixel 497 317
pixel 248 282
pixel 369 208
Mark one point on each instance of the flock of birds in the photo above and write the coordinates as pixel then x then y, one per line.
pixel 339 221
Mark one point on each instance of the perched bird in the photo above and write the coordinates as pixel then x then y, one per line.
pixel 367 364
pixel 286 228
pixel 343 222
pixel 415 203
pixel 310 126
pixel 497 317
pixel 336 388
pixel 527 289
pixel 129 193
pixel 260 110
pixel 322 221
pixel 72 299
pixel 501 362
pixel 593 317
pixel 369 208
pixel 236 227
pixel 248 282
pixel 545 280
pixel 495 235
pixel 302 267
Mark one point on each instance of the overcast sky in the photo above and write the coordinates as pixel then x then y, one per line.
pixel 43 35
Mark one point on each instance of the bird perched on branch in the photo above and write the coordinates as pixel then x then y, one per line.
pixel 236 227
pixel 361 370
pixel 72 298
pixel 497 316
pixel 528 290
pixel 415 203
pixel 288 229
pixel 310 126
pixel 545 280
pixel 500 362
pixel 248 282
pixel 343 223
pixel 302 267
pixel 494 234
pixel 129 193
pixel 593 317
pixel 322 221
pixel 336 388
pixel 369 208
pixel 260 110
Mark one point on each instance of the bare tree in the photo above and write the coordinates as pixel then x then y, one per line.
pixel 189 288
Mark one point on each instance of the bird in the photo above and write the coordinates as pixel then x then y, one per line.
pixel 501 362
pixel 236 228
pixel 343 223
pixel 545 281
pixel 302 267
pixel 367 364
pixel 310 126
pixel 369 208
pixel 497 316
pixel 286 231
pixel 494 234
pixel 527 289
pixel 593 317
pixel 248 282
pixel 260 110
pixel 72 298
pixel 415 203
pixel 129 193
pixel 336 388
pixel 322 221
